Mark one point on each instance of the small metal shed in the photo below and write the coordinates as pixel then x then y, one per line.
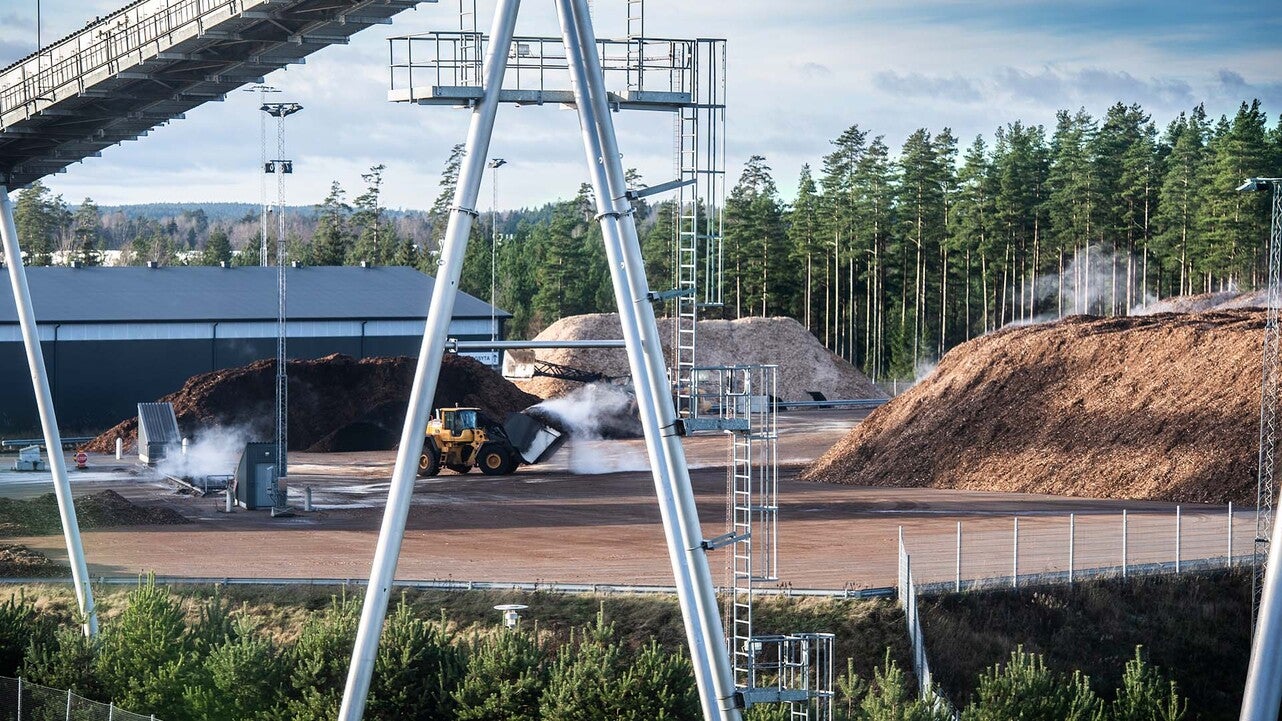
pixel 157 432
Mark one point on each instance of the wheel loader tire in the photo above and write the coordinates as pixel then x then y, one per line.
pixel 429 464
pixel 495 459
pixel 458 467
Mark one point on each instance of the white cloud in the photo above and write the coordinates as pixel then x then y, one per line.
pixel 800 73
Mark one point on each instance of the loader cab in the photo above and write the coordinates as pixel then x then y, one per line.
pixel 458 425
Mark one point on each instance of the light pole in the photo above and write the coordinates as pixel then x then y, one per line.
pixel 280 166
pixel 262 91
pixel 494 165
pixel 1264 677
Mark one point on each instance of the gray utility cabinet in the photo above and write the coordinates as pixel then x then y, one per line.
pixel 256 474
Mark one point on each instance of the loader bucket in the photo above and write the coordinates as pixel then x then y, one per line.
pixel 534 441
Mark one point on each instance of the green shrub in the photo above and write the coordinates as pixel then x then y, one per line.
pixel 1145 695
pixel 1024 688
pixel 659 684
pixel 889 698
pixel 416 670
pixel 146 656
pixel 240 678
pixel 65 660
pixel 318 662
pixel 506 675
pixel 21 626
pixel 583 678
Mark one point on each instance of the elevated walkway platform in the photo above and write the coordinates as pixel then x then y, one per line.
pixel 150 62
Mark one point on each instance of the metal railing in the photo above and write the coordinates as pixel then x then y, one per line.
pixel 1036 549
pixel 906 592
pixel 453 59
pixel 26 701
pixel 104 44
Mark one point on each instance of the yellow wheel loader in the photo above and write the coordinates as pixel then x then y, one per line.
pixel 461 439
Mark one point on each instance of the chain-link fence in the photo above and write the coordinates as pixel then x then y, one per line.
pixel 25 701
pixel 1027 549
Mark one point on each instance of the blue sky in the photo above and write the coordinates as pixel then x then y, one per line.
pixel 799 73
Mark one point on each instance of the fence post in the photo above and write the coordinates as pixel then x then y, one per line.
pixel 1072 539
pixel 957 585
pixel 111 711
pixel 1178 518
pixel 1014 568
pixel 1229 561
pixel 19 698
pixel 1123 543
pixel 68 704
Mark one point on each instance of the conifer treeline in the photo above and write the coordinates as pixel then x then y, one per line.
pixel 893 260
pixel 890 258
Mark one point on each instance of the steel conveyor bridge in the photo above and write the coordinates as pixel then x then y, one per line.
pixel 150 62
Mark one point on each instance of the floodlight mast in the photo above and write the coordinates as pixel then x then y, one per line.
pixel 1263 693
pixel 48 418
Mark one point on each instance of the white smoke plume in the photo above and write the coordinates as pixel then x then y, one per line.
pixel 214 451
pixel 592 457
pixel 593 412
pixel 1093 280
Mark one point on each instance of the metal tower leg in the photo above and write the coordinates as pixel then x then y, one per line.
pixel 429 366
pixel 48 420
pixel 1264 676
pixel 645 358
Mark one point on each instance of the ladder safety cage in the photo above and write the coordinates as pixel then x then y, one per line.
pixel 698 257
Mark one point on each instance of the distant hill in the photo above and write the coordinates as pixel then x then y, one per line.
pixel 222 212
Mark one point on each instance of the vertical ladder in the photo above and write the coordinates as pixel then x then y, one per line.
pixel 469 47
pixel 636 44
pixel 747 395
pixel 741 571
pixel 699 148
pixel 687 261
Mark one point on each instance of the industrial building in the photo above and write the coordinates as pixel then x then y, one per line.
pixel 115 336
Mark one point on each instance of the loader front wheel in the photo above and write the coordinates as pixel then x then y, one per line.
pixel 496 459
pixel 429 464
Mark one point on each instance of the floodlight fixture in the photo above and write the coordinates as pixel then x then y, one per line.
pixel 1256 185
pixel 497 162
pixel 280 110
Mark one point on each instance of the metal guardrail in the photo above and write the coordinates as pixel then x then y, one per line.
pixel 538 64
pixel 451 585
pixel 24 442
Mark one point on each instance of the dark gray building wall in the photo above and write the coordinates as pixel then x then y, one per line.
pixel 96 384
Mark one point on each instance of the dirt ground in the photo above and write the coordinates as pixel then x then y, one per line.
pixel 550 523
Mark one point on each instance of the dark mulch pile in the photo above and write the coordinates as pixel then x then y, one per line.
pixel 18 561
pixel 336 403
pixel 105 509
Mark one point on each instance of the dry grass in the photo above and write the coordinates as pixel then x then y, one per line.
pixel 1196 628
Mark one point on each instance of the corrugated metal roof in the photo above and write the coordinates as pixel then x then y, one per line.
pixel 90 295
pixel 157 424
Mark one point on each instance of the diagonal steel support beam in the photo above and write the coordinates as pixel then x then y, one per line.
pixel 686 546
pixel 48 420
pixel 426 374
